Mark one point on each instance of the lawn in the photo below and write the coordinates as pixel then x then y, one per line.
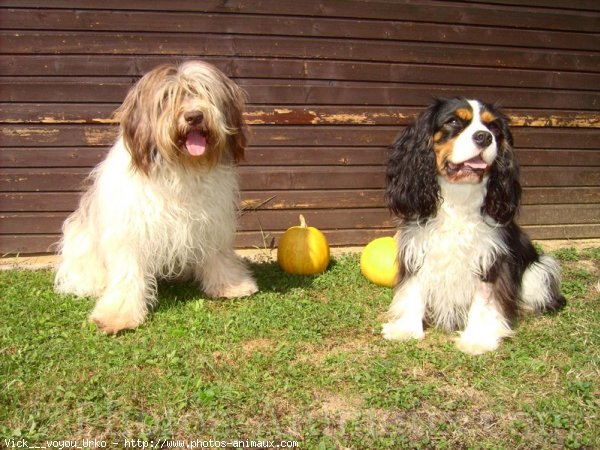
pixel 303 360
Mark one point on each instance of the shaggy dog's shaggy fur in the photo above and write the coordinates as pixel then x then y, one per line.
pixel 164 201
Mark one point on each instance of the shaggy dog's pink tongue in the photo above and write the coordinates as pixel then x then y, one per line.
pixel 195 143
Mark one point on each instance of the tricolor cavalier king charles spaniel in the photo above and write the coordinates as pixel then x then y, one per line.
pixel 164 202
pixel 464 264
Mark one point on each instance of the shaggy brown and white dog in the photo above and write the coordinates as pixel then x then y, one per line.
pixel 164 201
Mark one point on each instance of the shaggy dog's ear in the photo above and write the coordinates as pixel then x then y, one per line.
pixel 234 112
pixel 412 190
pixel 503 189
pixel 137 116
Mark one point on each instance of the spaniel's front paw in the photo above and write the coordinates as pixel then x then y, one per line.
pixel 402 330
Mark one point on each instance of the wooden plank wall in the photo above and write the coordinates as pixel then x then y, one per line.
pixel 330 82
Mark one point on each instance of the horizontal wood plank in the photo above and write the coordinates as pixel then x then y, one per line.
pixel 189 22
pixel 51 156
pixel 540 215
pixel 291 178
pixel 13 245
pixel 251 178
pixel 102 43
pixel 589 231
pixel 354 219
pixel 105 135
pixel 39 201
pixel 300 69
pixel 557 157
pixel 556 195
pixel 559 176
pixel 296 92
pixel 44 243
pixel 17 157
pixel 258 240
pixel 514 16
pixel 293 200
pixel 51 223
pixel 584 5
pixel 93 113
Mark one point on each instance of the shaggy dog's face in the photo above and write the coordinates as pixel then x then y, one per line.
pixel 189 115
pixel 466 140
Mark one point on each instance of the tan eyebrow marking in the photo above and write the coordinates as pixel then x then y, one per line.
pixel 487 117
pixel 465 114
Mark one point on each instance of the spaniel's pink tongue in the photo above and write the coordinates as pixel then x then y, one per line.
pixel 476 163
pixel 195 142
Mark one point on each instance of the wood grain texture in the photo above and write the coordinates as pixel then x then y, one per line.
pixel 330 84
pixel 290 178
pixel 301 92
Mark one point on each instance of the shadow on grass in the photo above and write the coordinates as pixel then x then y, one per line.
pixel 268 275
pixel 271 278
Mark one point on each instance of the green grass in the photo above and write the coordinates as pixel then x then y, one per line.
pixel 302 360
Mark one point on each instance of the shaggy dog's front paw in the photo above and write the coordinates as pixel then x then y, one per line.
pixel 244 289
pixel 110 324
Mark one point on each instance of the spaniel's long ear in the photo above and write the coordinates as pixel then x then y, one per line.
pixel 412 190
pixel 503 189
pixel 137 116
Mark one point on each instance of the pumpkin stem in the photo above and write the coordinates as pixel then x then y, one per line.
pixel 302 221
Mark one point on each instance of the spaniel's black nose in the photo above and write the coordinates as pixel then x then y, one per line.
pixel 482 138
pixel 194 117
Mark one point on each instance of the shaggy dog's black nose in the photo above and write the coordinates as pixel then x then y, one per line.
pixel 482 138
pixel 194 117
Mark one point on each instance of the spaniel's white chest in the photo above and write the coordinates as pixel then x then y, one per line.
pixel 448 257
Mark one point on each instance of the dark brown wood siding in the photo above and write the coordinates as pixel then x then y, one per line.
pixel 330 84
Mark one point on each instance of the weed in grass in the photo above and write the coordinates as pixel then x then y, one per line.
pixel 566 254
pixel 592 254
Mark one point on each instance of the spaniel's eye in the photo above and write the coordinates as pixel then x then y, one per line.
pixel 494 127
pixel 453 122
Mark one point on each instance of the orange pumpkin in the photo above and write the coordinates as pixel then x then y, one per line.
pixel 303 250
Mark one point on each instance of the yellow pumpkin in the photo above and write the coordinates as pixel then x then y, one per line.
pixel 379 261
pixel 303 250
